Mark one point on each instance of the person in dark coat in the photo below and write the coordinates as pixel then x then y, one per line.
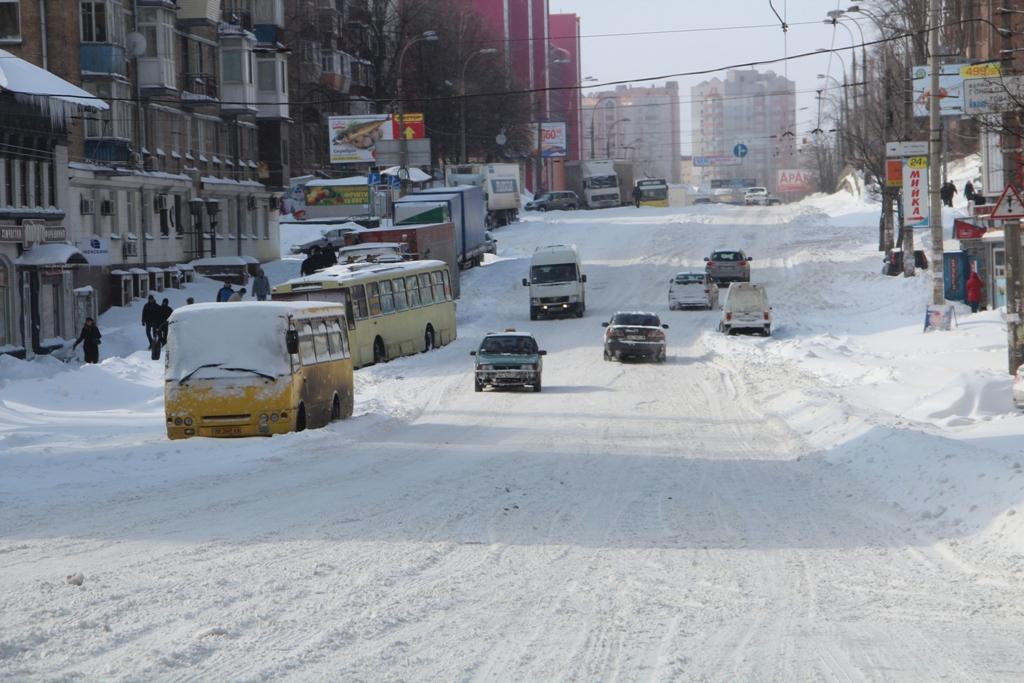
pixel 261 286
pixel 946 192
pixel 969 191
pixel 89 338
pixel 309 263
pixel 165 314
pixel 225 292
pixel 151 319
pixel 974 287
pixel 636 196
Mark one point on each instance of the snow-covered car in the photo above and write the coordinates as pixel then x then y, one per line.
pixel 635 334
pixel 756 196
pixel 508 359
pixel 728 266
pixel 746 309
pixel 1018 388
pixel 333 238
pixel 692 290
pixel 374 252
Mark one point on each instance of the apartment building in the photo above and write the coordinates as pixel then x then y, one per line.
pixel 750 108
pixel 638 124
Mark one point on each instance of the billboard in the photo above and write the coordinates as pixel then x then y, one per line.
pixel 554 139
pixel 794 180
pixel 353 139
pixel 732 183
pixel 993 95
pixel 915 192
pixel 338 195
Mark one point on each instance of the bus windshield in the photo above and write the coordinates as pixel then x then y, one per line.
pixel 215 342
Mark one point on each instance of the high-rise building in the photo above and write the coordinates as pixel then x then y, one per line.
pixel 566 76
pixel 749 108
pixel 638 124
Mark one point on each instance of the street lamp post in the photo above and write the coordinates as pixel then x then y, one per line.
pixel 403 150
pixel 212 209
pixel 196 208
pixel 593 115
pixel 608 142
pixel 462 98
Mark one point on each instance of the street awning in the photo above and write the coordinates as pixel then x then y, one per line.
pixel 51 255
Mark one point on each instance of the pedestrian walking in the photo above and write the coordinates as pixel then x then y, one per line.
pixel 308 266
pixel 969 191
pixel 946 193
pixel 165 314
pixel 974 287
pixel 151 319
pixel 636 196
pixel 89 338
pixel 261 286
pixel 238 296
pixel 225 292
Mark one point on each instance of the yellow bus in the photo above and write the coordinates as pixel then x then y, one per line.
pixel 393 309
pixel 256 368
pixel 653 191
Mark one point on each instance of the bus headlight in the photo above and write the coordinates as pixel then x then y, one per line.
pixel 264 419
pixel 188 421
pixel 274 417
pixel 178 421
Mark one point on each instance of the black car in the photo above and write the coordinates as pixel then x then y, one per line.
pixel 634 334
pixel 550 201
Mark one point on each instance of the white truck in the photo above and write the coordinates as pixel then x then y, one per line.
pixel 556 283
pixel 501 185
pixel 595 182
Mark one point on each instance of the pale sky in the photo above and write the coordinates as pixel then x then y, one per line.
pixel 624 57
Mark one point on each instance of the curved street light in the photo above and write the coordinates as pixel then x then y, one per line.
pixel 403 151
pixel 611 129
pixel 462 98
pixel 593 115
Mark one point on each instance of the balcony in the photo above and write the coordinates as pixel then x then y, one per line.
pixel 108 150
pixel 157 74
pixel 103 58
pixel 199 90
pixel 267 34
pixel 193 12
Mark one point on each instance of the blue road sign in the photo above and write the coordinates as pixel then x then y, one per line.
pixel 395 181
pixel 740 150
pixel 373 178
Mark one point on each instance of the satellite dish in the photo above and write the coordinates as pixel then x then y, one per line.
pixel 500 139
pixel 135 43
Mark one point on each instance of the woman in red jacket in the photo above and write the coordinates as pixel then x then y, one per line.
pixel 974 287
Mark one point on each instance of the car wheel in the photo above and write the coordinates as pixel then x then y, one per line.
pixel 661 356
pixel 428 339
pixel 767 330
pixel 607 356
pixel 300 419
pixel 336 409
pixel 533 314
pixel 477 386
pixel 536 386
pixel 380 354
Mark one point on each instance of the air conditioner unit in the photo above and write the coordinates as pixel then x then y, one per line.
pixel 160 203
pixel 87 207
pixel 251 202
pixel 130 248
pixel 149 164
pixel 108 207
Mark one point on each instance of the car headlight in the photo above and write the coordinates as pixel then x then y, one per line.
pixel 188 421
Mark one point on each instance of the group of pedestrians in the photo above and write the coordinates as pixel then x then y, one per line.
pixel 260 289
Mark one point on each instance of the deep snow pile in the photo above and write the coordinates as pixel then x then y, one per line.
pixel 848 486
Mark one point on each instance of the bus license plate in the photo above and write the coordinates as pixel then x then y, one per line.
pixel 227 431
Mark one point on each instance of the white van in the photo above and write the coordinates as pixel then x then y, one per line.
pixel 555 282
pixel 746 308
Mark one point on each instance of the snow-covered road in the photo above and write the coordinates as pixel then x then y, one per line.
pixel 754 509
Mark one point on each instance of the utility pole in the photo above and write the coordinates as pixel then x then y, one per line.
pixel 885 242
pixel 934 157
pixel 1011 227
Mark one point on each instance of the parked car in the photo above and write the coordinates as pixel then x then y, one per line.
pixel 756 196
pixel 746 308
pixel 692 290
pixel 636 334
pixel 332 238
pixel 508 359
pixel 550 201
pixel 728 266
pixel 702 200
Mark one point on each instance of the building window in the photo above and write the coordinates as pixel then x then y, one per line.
pixel 115 122
pixel 94 22
pixel 157 25
pixel 266 71
pixel 10 21
pixel 6 304
pixel 231 65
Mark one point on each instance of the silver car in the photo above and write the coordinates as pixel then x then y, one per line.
pixel 728 266
pixel 692 290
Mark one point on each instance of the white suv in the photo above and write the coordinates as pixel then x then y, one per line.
pixel 756 195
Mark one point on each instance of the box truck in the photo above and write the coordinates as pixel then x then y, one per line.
pixel 501 184
pixel 465 207
pixel 594 181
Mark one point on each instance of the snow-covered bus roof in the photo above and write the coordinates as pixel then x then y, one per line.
pixel 354 273
pixel 220 340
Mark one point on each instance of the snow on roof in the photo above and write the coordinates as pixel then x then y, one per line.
pixel 118 271
pixel 154 269
pixel 365 246
pixel 350 271
pixel 50 254
pixel 43 89
pixel 250 259
pixel 218 261
pixel 338 182
pixel 184 266
pixel 137 271
pixel 243 336
pixel 414 174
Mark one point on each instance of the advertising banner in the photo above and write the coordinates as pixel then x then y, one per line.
pixel 951 89
pixel 96 250
pixel 993 95
pixel 338 195
pixel 412 127
pixel 894 173
pixel 794 180
pixel 732 183
pixel 915 192
pixel 352 138
pixel 554 140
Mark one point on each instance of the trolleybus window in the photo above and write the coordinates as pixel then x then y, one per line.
pixel 401 301
pixel 320 342
pixel 447 285
pixel 373 297
pixel 306 345
pixel 358 295
pixel 387 299
pixel 438 285
pixel 414 291
pixel 425 296
pixel 336 340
